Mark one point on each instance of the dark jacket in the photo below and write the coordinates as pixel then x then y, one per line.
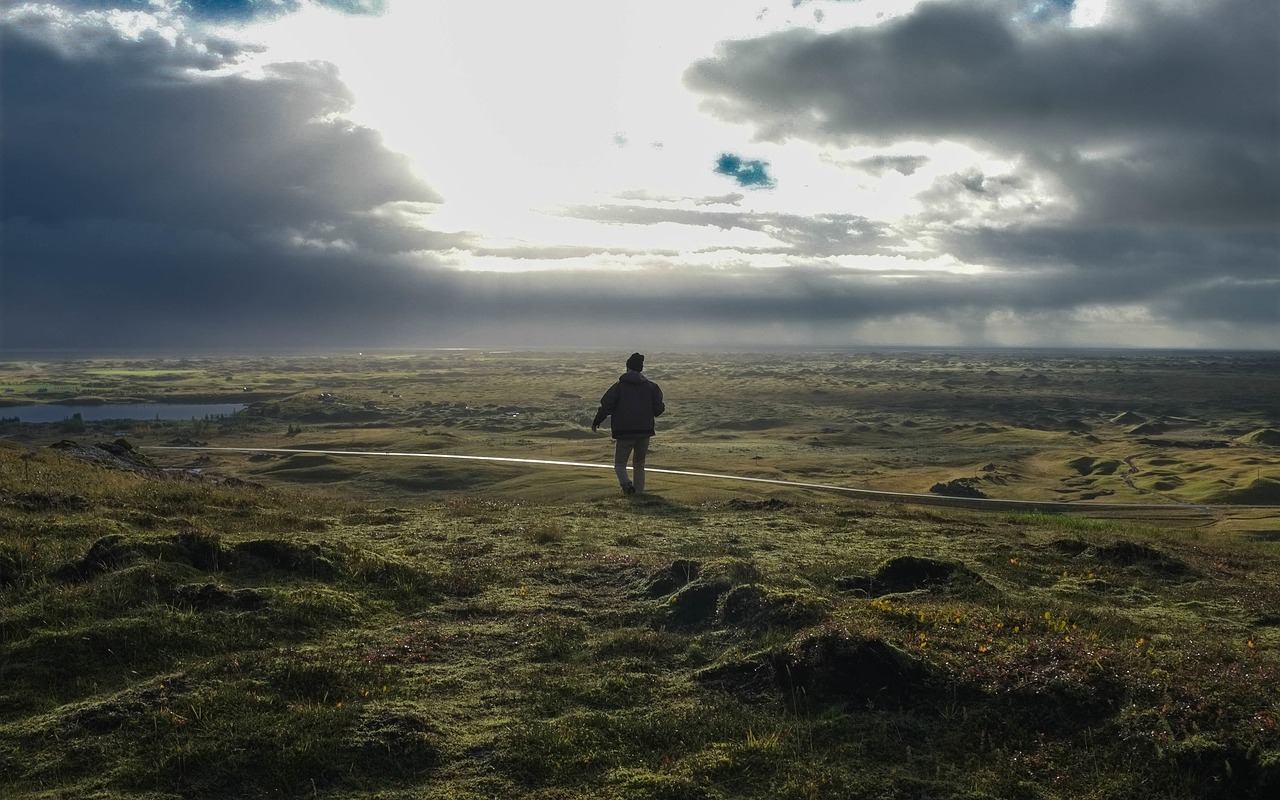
pixel 633 402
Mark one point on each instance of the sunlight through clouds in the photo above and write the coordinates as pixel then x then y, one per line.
pixel 511 121
pixel 970 170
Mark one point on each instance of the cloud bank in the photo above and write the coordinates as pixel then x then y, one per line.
pixel 1123 188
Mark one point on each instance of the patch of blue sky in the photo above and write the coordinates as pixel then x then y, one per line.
pixel 749 173
pixel 1047 10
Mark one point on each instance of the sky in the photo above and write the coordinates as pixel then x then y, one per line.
pixel 362 174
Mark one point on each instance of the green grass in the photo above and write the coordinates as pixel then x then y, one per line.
pixel 179 638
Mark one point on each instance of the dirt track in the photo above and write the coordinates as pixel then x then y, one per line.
pixel 1164 510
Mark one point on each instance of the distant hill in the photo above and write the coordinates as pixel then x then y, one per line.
pixel 1267 436
pixel 1260 492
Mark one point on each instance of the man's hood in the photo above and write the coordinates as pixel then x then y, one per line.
pixel 633 377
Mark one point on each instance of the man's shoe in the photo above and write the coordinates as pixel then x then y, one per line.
pixel 629 489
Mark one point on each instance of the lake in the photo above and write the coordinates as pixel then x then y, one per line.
pixel 52 412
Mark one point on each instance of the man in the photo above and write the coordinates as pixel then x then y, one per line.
pixel 633 402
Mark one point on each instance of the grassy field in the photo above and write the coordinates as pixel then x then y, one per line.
pixel 314 626
pixel 1021 425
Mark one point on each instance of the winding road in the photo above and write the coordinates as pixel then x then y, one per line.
pixel 987 504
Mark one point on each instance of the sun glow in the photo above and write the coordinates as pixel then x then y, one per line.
pixel 513 119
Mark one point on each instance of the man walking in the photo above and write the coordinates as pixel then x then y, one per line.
pixel 633 402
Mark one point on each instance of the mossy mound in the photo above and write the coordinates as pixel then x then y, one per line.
pixel 755 607
pixel 695 605
pixel 304 558
pixel 201 552
pixel 909 573
pixel 1262 491
pixel 119 454
pixel 670 578
pixel 1089 465
pixel 117 551
pixel 212 597
pixel 829 668
pixel 832 666
pixel 958 487
pixel 1134 554
pixel 1267 436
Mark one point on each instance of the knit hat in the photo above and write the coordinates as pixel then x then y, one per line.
pixel 636 362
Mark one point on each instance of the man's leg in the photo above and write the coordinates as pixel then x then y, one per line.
pixel 637 463
pixel 621 453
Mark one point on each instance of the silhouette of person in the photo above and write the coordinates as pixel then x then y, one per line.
pixel 633 402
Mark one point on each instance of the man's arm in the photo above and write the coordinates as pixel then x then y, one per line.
pixel 608 403
pixel 658 405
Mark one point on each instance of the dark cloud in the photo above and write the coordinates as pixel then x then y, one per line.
pixel 1179 273
pixel 148 196
pixel 1180 104
pixel 1144 166
pixel 128 137
pixel 903 165
pixel 747 172
pixel 154 198
pixel 815 236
